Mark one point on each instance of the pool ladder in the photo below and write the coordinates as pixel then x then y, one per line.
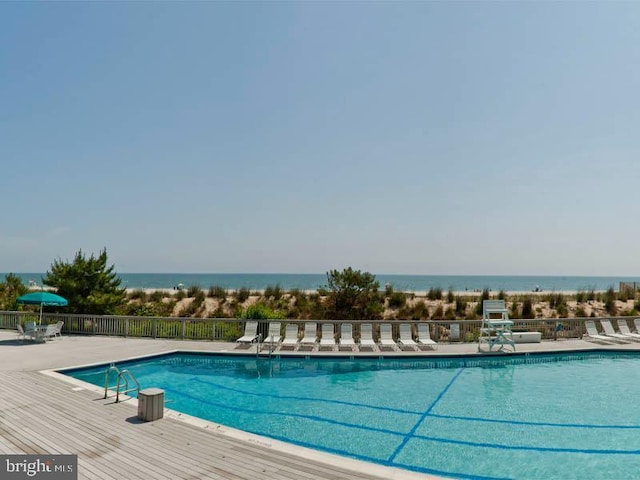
pixel 122 382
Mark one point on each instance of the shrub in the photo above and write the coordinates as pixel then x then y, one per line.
pixel 397 300
pixel 138 294
pixel 438 314
pixel 156 296
pixel 242 294
pixel 450 296
pixel 527 308
pixel 434 294
pixel 353 295
pixel 484 296
pixel 193 290
pixel 274 292
pixel 610 301
pixel 461 307
pixel 260 311
pixel 580 312
pixel 216 291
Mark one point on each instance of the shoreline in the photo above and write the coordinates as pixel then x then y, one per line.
pixel 417 293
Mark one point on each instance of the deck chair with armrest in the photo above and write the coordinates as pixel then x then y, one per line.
pixel 59 326
pixel 406 338
pixel 47 332
pixel 609 331
pixel 290 336
pixel 22 333
pixel 386 336
pixel 250 333
pixel 310 334
pixel 623 327
pixel 366 336
pixel 424 337
pixel 273 336
pixel 592 333
pixel 346 336
pixel 328 338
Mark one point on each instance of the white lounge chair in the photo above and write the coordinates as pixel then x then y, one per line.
pixel 636 323
pixel 424 337
pixel 290 336
pixel 59 326
pixel 386 336
pixel 366 336
pixel 406 338
pixel 328 336
pixel 623 327
pixel 310 334
pixel 250 333
pixel 273 336
pixel 49 331
pixel 22 333
pixel 592 332
pixel 609 331
pixel 346 336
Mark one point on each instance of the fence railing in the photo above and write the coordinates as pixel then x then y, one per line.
pixel 229 329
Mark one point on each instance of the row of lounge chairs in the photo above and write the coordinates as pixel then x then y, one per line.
pixel 609 334
pixel 328 338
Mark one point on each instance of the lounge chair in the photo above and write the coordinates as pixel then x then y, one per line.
pixel 592 332
pixel 328 336
pixel 22 333
pixel 274 333
pixel 636 323
pixel 624 330
pixel 290 336
pixel 346 336
pixel 250 333
pixel 424 337
pixel 59 326
pixel 366 336
pixel 406 338
pixel 49 331
pixel 386 336
pixel 310 334
pixel 609 331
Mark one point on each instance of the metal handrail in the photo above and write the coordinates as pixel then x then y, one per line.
pixel 122 376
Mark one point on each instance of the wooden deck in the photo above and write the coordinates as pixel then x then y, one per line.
pixel 41 414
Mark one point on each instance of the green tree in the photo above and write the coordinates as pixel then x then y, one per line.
pixel 10 290
pixel 353 295
pixel 87 283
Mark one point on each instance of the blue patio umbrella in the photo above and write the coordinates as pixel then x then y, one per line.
pixel 42 298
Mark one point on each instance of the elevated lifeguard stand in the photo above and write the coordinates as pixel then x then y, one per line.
pixel 496 326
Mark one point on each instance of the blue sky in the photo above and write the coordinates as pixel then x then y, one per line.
pixel 393 137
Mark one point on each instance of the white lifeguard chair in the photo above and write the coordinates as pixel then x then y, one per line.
pixel 496 326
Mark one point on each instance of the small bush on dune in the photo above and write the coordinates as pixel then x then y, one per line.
pixel 450 296
pixel 216 291
pixel 434 294
pixel 193 290
pixel 397 300
pixel 242 294
pixel 139 294
pixel 274 292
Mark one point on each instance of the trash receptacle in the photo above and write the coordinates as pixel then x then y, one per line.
pixel 150 404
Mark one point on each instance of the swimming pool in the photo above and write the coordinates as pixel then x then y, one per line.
pixel 523 416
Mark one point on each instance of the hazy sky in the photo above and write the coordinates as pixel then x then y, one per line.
pixel 393 137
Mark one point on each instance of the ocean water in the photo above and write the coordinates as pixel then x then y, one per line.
pixel 407 283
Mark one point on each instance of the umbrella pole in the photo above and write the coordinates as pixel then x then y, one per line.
pixel 40 319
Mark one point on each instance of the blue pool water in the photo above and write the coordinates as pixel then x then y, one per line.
pixel 566 416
